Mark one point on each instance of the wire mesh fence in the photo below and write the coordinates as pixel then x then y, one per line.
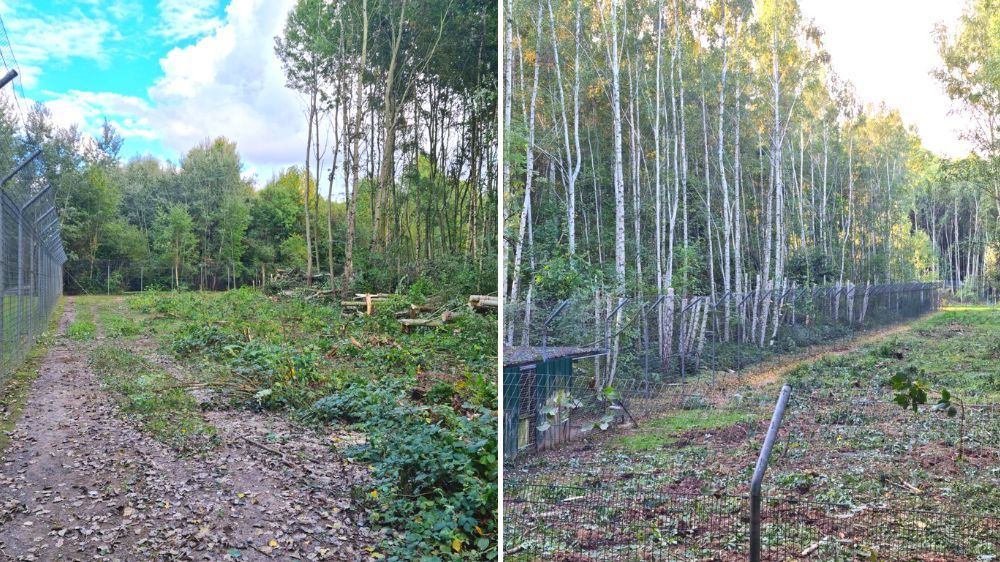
pixel 31 250
pixel 577 364
pixel 112 276
pixel 625 523
pixel 121 276
pixel 826 495
pixel 31 260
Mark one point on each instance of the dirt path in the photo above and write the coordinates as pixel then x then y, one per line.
pixel 773 371
pixel 81 483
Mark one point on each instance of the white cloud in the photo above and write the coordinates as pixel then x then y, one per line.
pixel 187 19
pixel 73 35
pixel 130 115
pixel 29 75
pixel 125 9
pixel 231 84
pixel 228 83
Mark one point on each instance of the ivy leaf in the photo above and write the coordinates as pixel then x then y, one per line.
pixel 899 381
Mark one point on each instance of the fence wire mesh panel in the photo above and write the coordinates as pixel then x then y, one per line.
pixel 574 523
pixel 119 276
pixel 825 495
pixel 631 357
pixel 31 260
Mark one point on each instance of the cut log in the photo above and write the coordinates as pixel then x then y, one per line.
pixel 421 322
pixel 367 303
pixel 484 302
pixel 414 310
pixel 410 323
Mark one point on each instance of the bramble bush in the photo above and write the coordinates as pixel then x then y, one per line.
pixel 435 471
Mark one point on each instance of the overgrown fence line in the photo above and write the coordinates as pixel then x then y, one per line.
pixel 120 276
pixel 574 364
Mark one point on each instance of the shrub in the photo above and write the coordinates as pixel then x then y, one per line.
pixel 357 401
pixel 436 482
pixel 193 339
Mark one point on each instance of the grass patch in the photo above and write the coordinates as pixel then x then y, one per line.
pixel 116 319
pixel 154 398
pixel 14 390
pixel 121 327
pixel 82 331
pixel 665 431
pixel 83 327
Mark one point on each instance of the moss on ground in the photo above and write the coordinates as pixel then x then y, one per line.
pixel 14 389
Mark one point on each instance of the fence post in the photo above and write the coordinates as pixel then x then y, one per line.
pixel 758 473
pixel 20 279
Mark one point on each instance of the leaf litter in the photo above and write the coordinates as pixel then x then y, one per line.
pixel 80 482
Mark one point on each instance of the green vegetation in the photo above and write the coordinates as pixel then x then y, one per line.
pixel 970 57
pixel 957 348
pixel 425 400
pixel 844 440
pixel 82 331
pixel 158 400
pixel 666 430
pixel 366 210
pixel 82 328
pixel 14 388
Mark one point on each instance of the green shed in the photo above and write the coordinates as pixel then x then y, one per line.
pixel 532 379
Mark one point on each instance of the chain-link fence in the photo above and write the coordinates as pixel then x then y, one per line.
pixel 102 276
pixel 31 260
pixel 576 364
pixel 622 522
pixel 31 250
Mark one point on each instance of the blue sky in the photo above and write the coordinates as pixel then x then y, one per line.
pixel 167 73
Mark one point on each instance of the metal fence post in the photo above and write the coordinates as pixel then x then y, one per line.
pixel 545 325
pixel 20 277
pixel 758 473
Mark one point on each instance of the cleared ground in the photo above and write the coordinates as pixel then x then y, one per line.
pixel 151 433
pixel 853 475
pixel 82 482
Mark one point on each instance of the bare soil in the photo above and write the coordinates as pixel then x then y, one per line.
pixel 82 482
pixel 774 370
